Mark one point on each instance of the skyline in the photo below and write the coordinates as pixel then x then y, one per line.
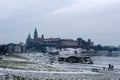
pixel 94 19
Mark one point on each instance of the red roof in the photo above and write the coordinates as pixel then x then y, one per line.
pixel 52 39
pixel 67 39
pixel 47 39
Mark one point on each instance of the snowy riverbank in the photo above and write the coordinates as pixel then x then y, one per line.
pixel 37 65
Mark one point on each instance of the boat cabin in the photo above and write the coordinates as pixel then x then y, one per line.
pixel 74 59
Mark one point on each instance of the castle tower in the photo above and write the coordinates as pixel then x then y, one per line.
pixel 28 39
pixel 42 36
pixel 35 34
pixel 29 36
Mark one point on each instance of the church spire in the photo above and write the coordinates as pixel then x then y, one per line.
pixel 28 39
pixel 29 36
pixel 35 34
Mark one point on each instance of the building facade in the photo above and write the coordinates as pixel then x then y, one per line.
pixel 40 43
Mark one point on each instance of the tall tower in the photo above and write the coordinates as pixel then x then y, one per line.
pixel 28 40
pixel 35 34
pixel 42 36
pixel 29 36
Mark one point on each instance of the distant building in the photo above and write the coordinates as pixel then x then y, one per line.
pixel 16 48
pixel 68 42
pixel 90 43
pixel 84 43
pixel 40 43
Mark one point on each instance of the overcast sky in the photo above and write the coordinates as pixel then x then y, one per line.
pixel 98 20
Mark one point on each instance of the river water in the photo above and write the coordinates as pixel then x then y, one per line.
pixel 104 59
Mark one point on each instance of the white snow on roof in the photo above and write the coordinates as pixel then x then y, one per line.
pixel 66 52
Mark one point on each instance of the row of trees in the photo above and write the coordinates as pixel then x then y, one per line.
pixel 105 48
pixel 3 49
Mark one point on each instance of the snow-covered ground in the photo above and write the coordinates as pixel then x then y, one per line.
pixel 37 65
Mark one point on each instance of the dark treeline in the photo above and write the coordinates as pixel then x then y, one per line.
pixel 3 49
pixel 11 48
pixel 106 48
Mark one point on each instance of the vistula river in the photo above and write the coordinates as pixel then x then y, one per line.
pixel 103 59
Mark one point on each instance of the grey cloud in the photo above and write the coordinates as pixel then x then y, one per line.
pixel 60 18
